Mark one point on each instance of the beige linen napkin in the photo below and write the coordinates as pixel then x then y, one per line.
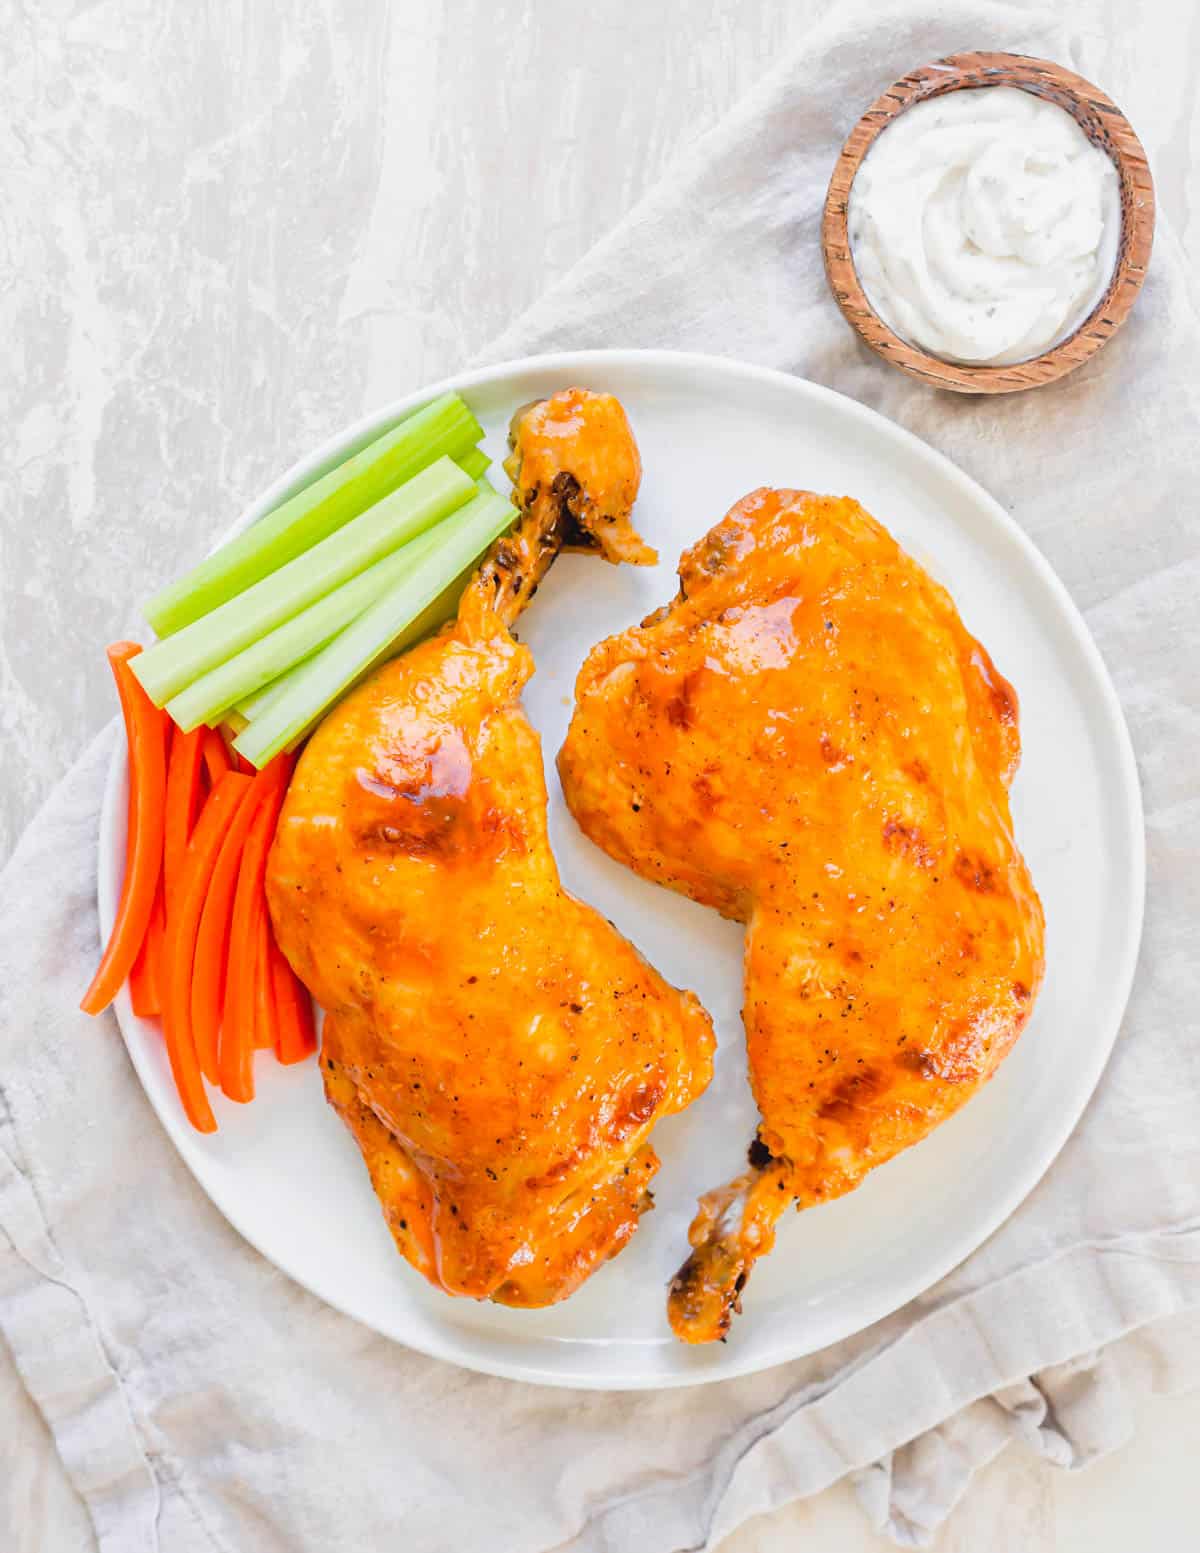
pixel 201 1401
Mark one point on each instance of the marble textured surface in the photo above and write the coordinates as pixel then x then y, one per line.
pixel 228 229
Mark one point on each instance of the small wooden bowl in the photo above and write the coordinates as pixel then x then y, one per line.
pixel 1101 121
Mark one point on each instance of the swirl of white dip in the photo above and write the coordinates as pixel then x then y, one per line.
pixel 984 224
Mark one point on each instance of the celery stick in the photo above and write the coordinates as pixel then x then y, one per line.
pixel 166 668
pixel 206 698
pixel 474 462
pixel 428 621
pixel 425 624
pixel 445 427
pixel 253 705
pixel 444 553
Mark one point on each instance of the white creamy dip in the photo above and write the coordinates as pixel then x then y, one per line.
pixel 984 224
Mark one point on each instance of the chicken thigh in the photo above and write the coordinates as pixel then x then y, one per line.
pixel 499 1052
pixel 809 740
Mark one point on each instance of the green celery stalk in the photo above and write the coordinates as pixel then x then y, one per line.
pixel 439 558
pixel 436 614
pixel 428 621
pixel 253 705
pixel 474 462
pixel 167 667
pixel 206 698
pixel 444 428
pixel 256 706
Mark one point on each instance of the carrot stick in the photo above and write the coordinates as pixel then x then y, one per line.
pixel 183 800
pixel 130 822
pixel 183 925
pixel 212 941
pixel 143 988
pixel 297 1032
pixel 216 756
pixel 235 1057
pixel 145 992
pixel 266 1020
pixel 147 775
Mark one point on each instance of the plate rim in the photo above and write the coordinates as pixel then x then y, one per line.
pixel 448 1347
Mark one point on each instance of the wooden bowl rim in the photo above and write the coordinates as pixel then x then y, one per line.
pixel 1103 123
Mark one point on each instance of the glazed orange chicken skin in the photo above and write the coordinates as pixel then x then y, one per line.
pixel 574 463
pixel 500 1053
pixel 808 740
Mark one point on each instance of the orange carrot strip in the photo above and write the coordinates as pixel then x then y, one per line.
pixel 235 1056
pixel 266 1019
pixel 145 989
pixel 147 776
pixel 183 800
pixel 130 822
pixel 297 1031
pixel 216 756
pixel 145 993
pixel 141 993
pixel 182 927
pixel 212 942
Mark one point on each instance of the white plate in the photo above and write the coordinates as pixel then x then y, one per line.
pixel 285 1172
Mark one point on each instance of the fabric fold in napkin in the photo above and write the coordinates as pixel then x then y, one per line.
pixel 201 1401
